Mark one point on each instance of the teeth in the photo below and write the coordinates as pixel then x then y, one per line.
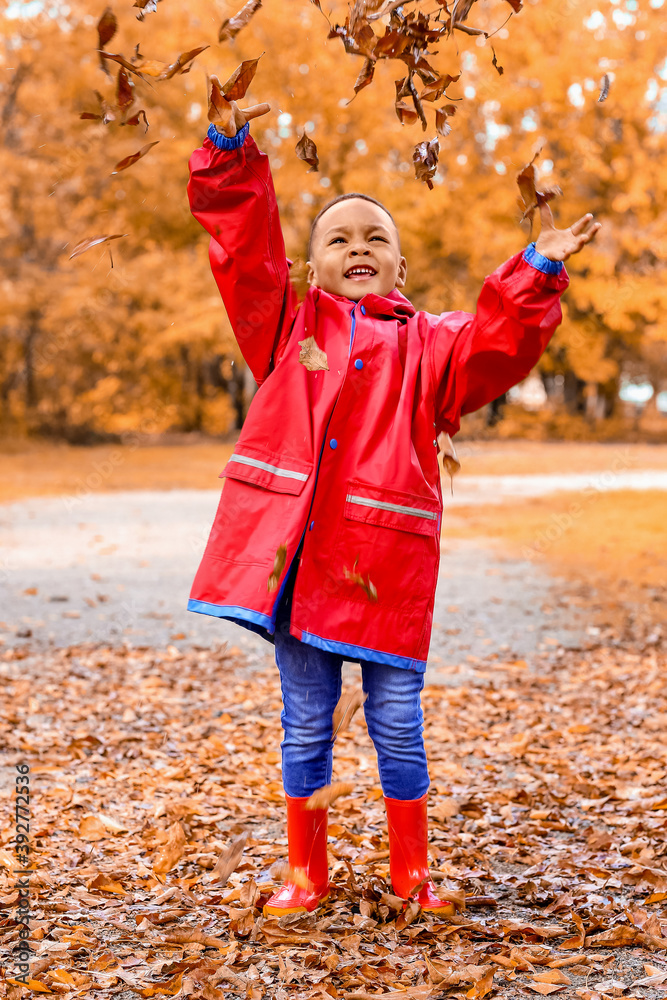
pixel 361 270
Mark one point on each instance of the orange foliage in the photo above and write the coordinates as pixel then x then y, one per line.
pixel 88 348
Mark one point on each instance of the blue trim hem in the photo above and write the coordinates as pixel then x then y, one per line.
pixel 540 262
pixel 363 653
pixel 227 142
pixel 232 611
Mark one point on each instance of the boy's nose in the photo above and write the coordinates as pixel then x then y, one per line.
pixel 354 251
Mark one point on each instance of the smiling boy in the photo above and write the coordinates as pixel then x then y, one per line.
pixel 327 537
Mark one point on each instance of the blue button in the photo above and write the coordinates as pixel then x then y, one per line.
pixel 358 364
pixel 363 310
pixel 333 443
pixel 312 525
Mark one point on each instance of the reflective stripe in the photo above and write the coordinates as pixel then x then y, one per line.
pixel 381 505
pixel 255 462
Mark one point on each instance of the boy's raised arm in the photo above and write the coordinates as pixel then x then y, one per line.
pixel 231 194
pixel 477 357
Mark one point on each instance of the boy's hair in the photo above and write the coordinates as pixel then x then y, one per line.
pixel 345 197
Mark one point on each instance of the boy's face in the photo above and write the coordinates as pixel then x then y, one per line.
pixel 355 250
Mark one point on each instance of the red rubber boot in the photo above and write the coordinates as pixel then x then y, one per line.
pixel 408 854
pixel 307 850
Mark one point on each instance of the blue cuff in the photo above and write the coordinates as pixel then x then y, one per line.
pixel 541 263
pixel 223 141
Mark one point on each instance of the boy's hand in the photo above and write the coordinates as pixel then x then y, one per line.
pixel 558 244
pixel 238 117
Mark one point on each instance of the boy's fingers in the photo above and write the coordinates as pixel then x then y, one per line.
pixel 581 224
pixel 256 110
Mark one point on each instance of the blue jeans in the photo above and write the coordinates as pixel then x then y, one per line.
pixel 311 685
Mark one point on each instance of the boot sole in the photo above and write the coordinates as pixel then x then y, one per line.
pixel 443 911
pixel 282 911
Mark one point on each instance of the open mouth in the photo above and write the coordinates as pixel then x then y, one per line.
pixel 360 272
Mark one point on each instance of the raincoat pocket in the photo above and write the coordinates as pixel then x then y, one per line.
pixel 278 473
pixel 387 549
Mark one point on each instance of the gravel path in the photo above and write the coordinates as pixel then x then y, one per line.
pixel 117 567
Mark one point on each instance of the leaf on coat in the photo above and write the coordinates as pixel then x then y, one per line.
pixel 448 456
pixel 311 356
pixel 129 160
pixel 93 241
pixel 367 585
pixel 530 196
pixel 229 861
pixel 278 567
pixel 324 796
pixel 231 26
pixel 605 83
pixel 170 853
pixel 348 704
pixel 235 87
pixel 306 150
pixel 282 871
pixel 425 159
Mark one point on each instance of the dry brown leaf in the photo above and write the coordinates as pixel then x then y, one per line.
pixel 306 150
pixel 229 861
pixel 170 853
pixel 106 27
pixel 93 241
pixel 605 83
pixel 279 561
pixel 425 159
pixel 311 356
pixel 129 160
pixel 282 871
pixel 531 198
pixel 231 26
pixel 482 986
pixel 145 7
pixel 544 988
pixel 324 796
pixel 349 702
pixel 91 828
pixel 235 87
pixel 366 584
pixel 553 976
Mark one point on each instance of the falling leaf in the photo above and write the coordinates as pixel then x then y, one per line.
pixel 282 871
pixel 145 7
pixel 324 796
pixel 219 108
pixel 136 119
pixel 129 160
pixel 278 566
pixel 298 276
pixel 170 853
pixel 365 75
pixel 106 27
pixel 231 26
pixel 605 83
pixel 229 861
pixel 442 126
pixel 494 63
pixel 235 87
pixel 434 91
pixel 531 197
pixel 155 67
pixel 366 585
pixel 124 90
pixel 425 158
pixel 348 704
pixel 306 150
pixel 93 241
pixel 311 356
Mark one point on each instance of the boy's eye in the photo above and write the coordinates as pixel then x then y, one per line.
pixel 378 238
pixel 337 239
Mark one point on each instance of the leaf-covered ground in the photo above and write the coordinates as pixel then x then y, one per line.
pixel 548 815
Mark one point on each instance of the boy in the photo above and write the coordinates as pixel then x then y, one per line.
pixel 327 536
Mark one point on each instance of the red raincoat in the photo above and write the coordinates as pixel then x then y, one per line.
pixel 345 460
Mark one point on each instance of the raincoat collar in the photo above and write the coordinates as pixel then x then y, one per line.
pixel 395 305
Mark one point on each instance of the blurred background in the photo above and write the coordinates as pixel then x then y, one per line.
pixel 121 387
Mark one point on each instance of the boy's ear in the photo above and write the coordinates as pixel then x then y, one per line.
pixel 402 272
pixel 310 273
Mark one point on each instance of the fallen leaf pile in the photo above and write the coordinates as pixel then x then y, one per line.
pixel 157 822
